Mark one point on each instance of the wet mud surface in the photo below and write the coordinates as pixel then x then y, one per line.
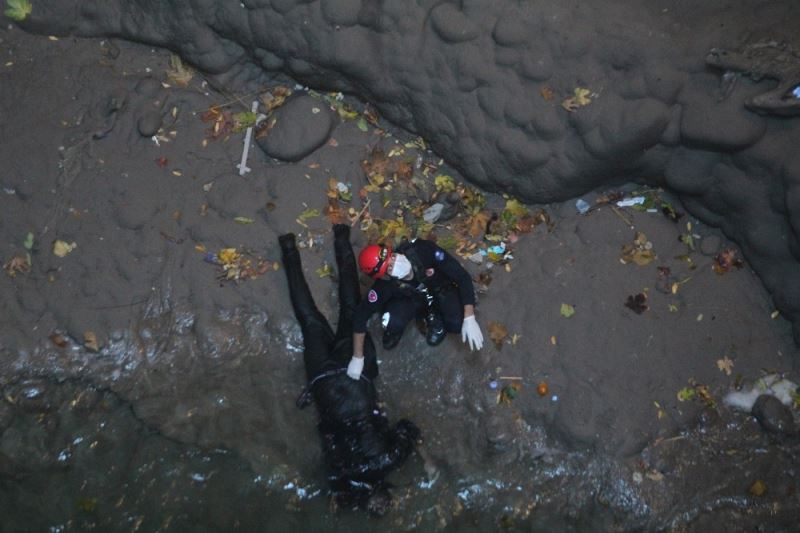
pixel 183 415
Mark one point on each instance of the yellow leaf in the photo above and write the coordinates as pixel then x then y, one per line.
pixel 228 256
pixel 444 183
pixel 62 248
pixel 758 488
pixel 514 207
pixel 178 73
pixel 90 341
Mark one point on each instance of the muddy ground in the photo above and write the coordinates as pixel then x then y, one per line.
pixel 183 413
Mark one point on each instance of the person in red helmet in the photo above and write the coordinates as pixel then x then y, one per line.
pixel 416 280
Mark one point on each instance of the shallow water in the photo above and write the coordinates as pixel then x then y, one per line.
pixel 202 434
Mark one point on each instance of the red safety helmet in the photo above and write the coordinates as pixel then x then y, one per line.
pixel 374 260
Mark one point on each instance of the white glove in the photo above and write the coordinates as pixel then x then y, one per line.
pixel 355 367
pixel 471 333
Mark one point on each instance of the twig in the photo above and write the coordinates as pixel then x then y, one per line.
pixel 363 210
pixel 622 216
pixel 512 378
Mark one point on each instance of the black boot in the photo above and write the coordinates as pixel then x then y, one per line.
pixel 390 340
pixel 287 242
pixel 341 231
pixel 434 329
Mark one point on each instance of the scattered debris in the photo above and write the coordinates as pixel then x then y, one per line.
pixel 509 393
pixel 238 265
pixel 639 252
pixel 248 137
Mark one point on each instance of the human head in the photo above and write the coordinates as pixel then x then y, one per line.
pixel 374 260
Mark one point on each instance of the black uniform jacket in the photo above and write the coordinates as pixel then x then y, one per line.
pixel 434 267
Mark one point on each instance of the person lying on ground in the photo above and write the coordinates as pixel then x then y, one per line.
pixel 359 446
pixel 416 280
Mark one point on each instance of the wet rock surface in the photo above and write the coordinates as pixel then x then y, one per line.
pixel 209 370
pixel 470 79
pixel 773 415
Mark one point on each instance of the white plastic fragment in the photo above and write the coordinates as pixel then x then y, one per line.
pixel 248 136
pixel 433 213
pixel 627 202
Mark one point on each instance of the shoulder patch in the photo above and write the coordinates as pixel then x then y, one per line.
pixel 439 254
pixel 372 296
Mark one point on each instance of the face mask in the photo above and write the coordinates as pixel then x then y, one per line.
pixel 401 267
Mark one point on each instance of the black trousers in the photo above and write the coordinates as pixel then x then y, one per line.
pixel 324 350
pixel 405 309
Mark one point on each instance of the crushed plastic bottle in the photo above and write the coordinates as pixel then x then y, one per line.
pixel 582 206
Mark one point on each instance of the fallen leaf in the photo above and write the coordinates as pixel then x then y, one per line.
pixel 324 271
pixel 497 333
pixel 17 265
pixel 660 413
pixel 725 260
pixel 541 388
pixel 637 303
pixel 547 93
pixel 90 341
pixel 275 97
pixel 444 183
pixel 28 242
pixel 18 9
pixel 567 310
pixel 654 475
pixel 685 394
pixel 62 248
pixel 553 340
pixel 773 315
pixel 362 124
pixel 580 98
pixel 725 365
pixel 308 213
pixel 758 488
pixel 178 73
pixel 58 340
pixel 243 220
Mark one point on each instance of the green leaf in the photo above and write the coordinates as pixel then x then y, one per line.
pixel 567 310
pixel 243 220
pixel 309 213
pixel 362 124
pixel 28 244
pixel 686 394
pixel 444 183
pixel 325 271
pixel 18 9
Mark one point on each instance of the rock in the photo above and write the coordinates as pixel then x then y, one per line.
pixel 773 416
pixel 302 125
pixel 149 123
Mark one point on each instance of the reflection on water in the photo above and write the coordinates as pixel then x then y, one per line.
pixel 167 429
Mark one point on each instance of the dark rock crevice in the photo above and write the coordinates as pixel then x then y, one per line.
pixel 469 76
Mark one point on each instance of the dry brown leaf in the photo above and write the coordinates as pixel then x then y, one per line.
pixel 547 93
pixel 498 333
pixel 58 340
pixel 725 365
pixel 17 265
pixel 477 224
